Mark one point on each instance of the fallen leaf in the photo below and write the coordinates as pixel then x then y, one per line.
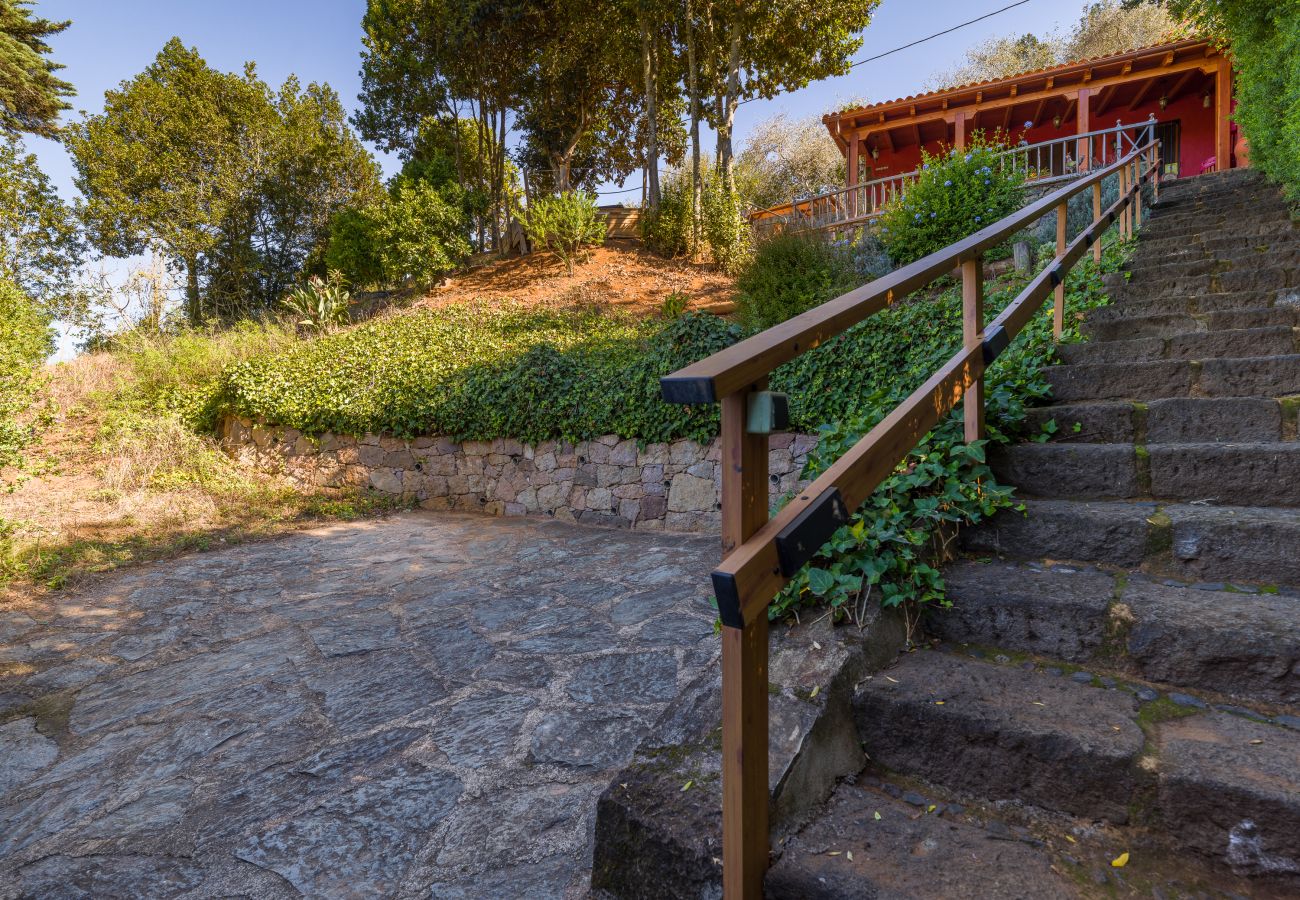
pixel 1120 861
pixel 1257 741
pixel 932 807
pixel 1070 839
pixel 849 855
pixel 816 646
pixel 815 691
pixel 894 680
pixel 833 853
pixel 939 702
pixel 687 785
pixel 1039 703
pixel 877 815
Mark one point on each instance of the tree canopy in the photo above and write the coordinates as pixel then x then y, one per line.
pixel 1103 28
pixel 41 246
pixel 233 182
pixel 31 94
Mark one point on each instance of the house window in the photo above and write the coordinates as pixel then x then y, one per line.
pixel 1170 136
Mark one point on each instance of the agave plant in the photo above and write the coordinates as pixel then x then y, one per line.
pixel 319 305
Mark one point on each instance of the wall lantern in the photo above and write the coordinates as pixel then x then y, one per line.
pixel 1205 101
pixel 1056 120
pixel 1164 101
pixel 875 153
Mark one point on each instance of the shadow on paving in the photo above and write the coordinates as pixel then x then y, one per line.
pixel 424 706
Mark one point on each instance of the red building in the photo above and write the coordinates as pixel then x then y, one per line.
pixel 1186 86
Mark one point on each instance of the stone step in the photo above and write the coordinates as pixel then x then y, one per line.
pixel 1128 302
pixel 1035 736
pixel 866 843
pixel 1244 546
pixel 1245 229
pixel 1200 635
pixel 1146 271
pixel 1253 376
pixel 1174 420
pixel 1279 340
pixel 1225 474
pixel 1116 324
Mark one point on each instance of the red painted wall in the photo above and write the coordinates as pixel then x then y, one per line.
pixel 1196 126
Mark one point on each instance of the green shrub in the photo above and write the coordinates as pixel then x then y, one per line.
pixel 726 230
pixel 421 235
pixel 565 224
pixel 666 229
pixel 353 250
pixel 790 273
pixel 956 194
pixel 417 232
pixel 25 341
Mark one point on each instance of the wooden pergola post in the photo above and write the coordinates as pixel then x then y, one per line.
pixel 1058 305
pixel 744 665
pixel 959 130
pixel 1083 124
pixel 1223 116
pixel 1096 216
pixel 855 144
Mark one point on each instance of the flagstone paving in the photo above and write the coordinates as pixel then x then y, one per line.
pixel 426 706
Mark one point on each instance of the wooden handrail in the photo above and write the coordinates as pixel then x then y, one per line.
pixel 760 556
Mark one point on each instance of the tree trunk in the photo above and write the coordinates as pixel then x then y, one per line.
pixel 651 89
pixel 693 89
pixel 727 114
pixel 193 305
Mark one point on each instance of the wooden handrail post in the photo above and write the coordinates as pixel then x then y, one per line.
pixel 1058 304
pixel 972 333
pixel 744 665
pixel 1096 217
pixel 1123 216
pixel 1137 194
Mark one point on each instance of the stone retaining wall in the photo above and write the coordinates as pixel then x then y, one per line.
pixel 606 481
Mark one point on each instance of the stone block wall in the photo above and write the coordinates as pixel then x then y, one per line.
pixel 607 481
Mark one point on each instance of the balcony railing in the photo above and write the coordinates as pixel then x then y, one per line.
pixel 1043 163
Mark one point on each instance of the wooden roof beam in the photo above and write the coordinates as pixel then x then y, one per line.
pixel 1143 92
pixel 1181 84
pixel 1104 98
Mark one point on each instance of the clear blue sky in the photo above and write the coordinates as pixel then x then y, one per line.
pixel 320 40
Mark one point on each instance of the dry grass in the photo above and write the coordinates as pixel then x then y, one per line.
pixel 115 483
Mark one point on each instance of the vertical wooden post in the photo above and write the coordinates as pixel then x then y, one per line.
pixel 1096 216
pixel 1083 118
pixel 959 130
pixel 1123 216
pixel 1137 197
pixel 854 146
pixel 1223 116
pixel 1159 153
pixel 972 333
pixel 744 667
pixel 1058 305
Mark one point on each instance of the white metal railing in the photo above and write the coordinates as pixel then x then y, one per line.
pixel 1046 162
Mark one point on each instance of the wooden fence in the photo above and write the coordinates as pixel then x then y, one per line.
pixel 760 555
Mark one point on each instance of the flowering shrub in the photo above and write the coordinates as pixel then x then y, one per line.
pixel 956 194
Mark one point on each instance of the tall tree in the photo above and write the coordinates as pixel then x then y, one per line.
pixel 1103 28
pixel 41 246
pixel 749 50
pixel 31 95
pixel 232 182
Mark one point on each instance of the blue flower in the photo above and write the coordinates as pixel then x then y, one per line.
pixel 918 216
pixel 967 157
pixel 987 182
pixel 932 215
pixel 948 183
pixel 977 218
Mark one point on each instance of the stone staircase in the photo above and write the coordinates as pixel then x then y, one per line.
pixel 1112 705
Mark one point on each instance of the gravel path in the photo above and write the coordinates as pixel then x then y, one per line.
pixel 426 706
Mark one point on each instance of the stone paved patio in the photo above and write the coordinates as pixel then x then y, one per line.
pixel 426 706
